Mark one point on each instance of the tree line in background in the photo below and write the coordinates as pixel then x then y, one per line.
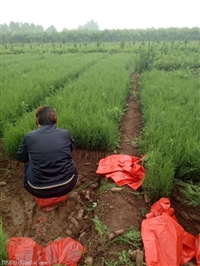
pixel 17 32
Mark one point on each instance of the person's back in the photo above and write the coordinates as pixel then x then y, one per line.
pixel 48 153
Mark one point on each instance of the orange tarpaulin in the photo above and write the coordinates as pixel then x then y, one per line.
pixel 165 241
pixel 25 251
pixel 65 252
pixel 163 205
pixel 123 170
pixel 197 248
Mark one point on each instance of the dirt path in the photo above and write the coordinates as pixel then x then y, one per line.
pixel 131 123
pixel 116 210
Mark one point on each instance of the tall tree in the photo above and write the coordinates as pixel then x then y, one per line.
pixel 90 25
pixel 14 26
pixel 25 27
pixel 39 28
pixel 51 29
pixel 4 27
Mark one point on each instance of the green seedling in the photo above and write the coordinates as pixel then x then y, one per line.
pixel 6 170
pixel 91 206
pixel 190 193
pixel 85 186
pixel 106 185
pixel 143 212
pixel 136 194
pixel 111 263
pixel 132 237
pixel 135 142
pixel 100 227
pixel 123 260
pixel 135 95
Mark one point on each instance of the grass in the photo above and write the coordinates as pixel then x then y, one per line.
pixel 170 105
pixel 136 194
pixel 101 228
pixel 190 193
pixel 3 242
pixel 143 212
pixel 39 77
pixel 91 206
pixel 94 126
pixel 132 237
pixel 106 185
pixel 123 260
pixel 85 186
pixel 6 170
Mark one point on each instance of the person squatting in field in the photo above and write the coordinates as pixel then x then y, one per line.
pixel 50 170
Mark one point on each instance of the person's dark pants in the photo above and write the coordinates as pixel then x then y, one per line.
pixel 52 192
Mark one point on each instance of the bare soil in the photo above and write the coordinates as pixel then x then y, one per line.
pixel 117 210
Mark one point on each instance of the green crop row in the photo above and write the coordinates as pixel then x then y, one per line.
pixel 90 107
pixel 168 57
pixel 63 48
pixel 159 49
pixel 170 137
pixel 27 79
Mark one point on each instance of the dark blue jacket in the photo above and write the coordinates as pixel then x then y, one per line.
pixel 48 153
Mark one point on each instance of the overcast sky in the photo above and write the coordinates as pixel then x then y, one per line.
pixel 109 14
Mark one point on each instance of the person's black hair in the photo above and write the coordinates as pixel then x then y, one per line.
pixel 46 115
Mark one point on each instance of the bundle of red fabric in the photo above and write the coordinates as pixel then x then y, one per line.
pixel 123 170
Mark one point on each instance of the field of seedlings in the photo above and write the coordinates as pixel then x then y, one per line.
pixel 139 99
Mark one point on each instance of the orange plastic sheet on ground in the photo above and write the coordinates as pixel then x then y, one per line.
pixel 123 170
pixel 50 203
pixel 165 241
pixel 25 251
pixel 197 247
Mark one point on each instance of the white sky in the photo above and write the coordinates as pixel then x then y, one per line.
pixel 109 14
